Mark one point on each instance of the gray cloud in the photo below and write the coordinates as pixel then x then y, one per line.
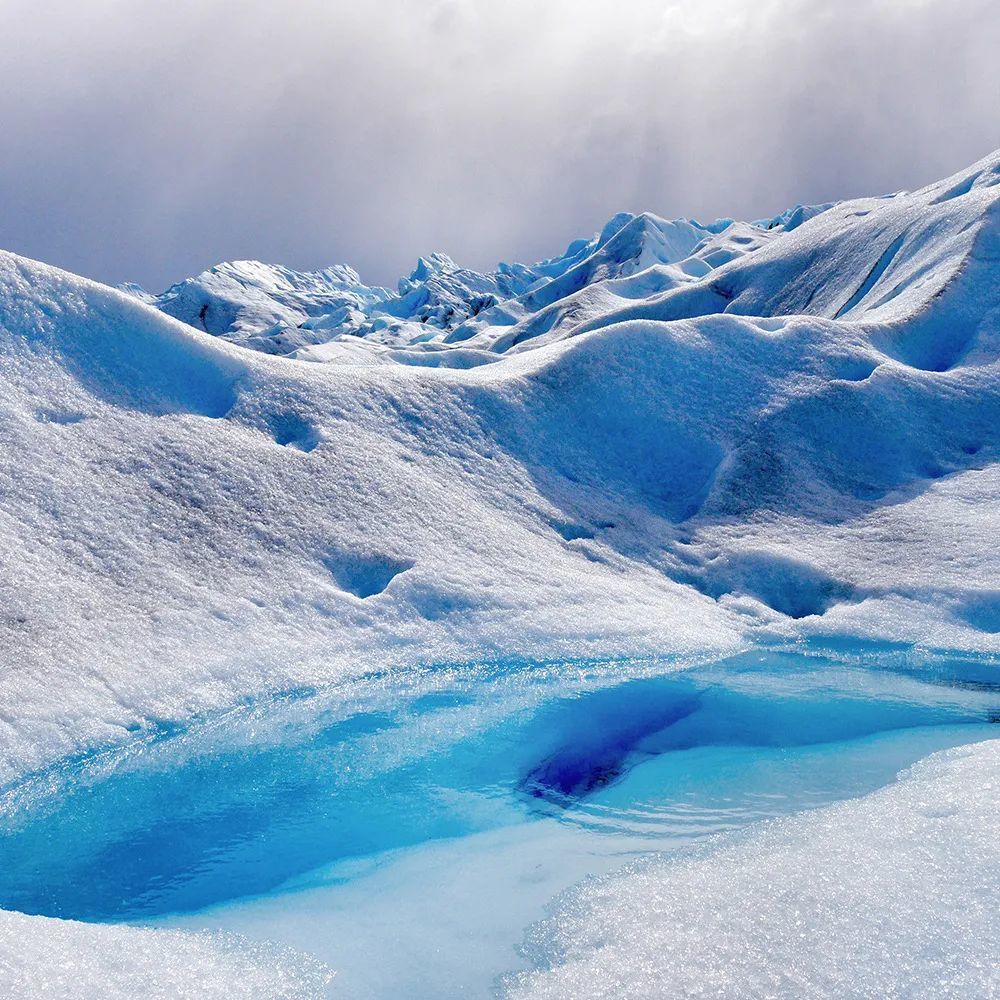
pixel 146 140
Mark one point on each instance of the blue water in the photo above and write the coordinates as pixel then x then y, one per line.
pixel 250 801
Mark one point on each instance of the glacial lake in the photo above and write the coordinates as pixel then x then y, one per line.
pixel 408 829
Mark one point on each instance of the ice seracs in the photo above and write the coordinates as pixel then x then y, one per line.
pixel 874 258
pixel 277 310
pixel 259 305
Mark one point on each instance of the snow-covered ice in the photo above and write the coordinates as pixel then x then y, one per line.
pixel 41 957
pixel 675 440
pixel 893 895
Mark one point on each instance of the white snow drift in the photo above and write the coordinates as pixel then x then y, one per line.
pixel 64 959
pixel 893 895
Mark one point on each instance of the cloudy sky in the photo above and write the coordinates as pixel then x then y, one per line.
pixel 146 140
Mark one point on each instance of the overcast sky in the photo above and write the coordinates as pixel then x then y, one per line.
pixel 146 140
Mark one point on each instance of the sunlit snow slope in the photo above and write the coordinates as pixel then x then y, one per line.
pixel 803 438
pixel 673 439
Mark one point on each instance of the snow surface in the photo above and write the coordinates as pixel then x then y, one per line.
pixel 893 895
pixel 673 439
pixel 64 959
pixel 187 522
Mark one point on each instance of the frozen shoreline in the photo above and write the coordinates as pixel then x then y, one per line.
pixel 445 815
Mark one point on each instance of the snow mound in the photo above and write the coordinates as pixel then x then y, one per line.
pixel 117 352
pixel 66 960
pixel 187 523
pixel 207 522
pixel 893 895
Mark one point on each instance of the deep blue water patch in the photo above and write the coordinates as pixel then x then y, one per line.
pixel 185 817
pixel 597 733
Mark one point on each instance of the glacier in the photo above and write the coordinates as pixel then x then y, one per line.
pixel 672 444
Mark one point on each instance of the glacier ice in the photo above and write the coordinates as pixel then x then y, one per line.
pixel 41 957
pixel 673 439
